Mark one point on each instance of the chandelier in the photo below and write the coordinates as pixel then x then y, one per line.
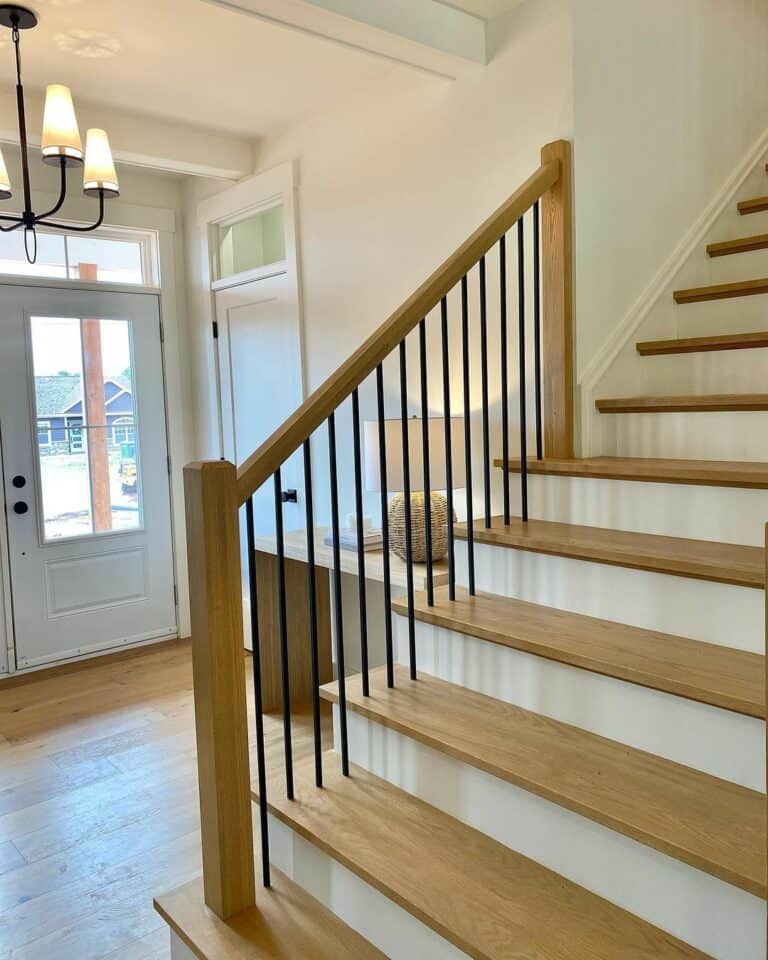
pixel 61 147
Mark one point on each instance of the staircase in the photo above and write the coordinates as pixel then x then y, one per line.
pixel 562 756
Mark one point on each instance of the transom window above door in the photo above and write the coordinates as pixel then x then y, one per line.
pixel 249 243
pixel 107 257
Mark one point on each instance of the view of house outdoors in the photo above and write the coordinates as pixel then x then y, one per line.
pixel 86 426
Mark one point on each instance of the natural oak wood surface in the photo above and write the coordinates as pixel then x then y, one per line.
pixel 99 806
pixel 708 473
pixel 489 901
pixel 711 824
pixel 722 291
pixel 706 672
pixel 288 924
pixel 732 341
pixel 216 611
pixel 713 403
pixel 316 409
pixel 700 559
pixel 557 307
pixel 753 206
pixel 742 245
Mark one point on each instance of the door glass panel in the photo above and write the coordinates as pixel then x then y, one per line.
pixel 87 441
pixel 256 241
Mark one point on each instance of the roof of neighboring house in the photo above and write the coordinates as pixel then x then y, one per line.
pixel 55 396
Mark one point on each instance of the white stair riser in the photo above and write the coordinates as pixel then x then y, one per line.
pixel 716 917
pixel 675 510
pixel 724 435
pixel 374 916
pixel 179 949
pixel 700 609
pixel 719 742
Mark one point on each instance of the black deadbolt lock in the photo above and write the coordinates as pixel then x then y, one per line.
pixel 19 481
pixel 20 507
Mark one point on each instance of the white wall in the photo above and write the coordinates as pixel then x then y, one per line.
pixel 668 98
pixel 391 181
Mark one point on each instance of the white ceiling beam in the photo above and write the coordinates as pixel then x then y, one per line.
pixel 425 34
pixel 146 142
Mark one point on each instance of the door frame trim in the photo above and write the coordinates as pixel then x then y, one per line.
pixel 258 192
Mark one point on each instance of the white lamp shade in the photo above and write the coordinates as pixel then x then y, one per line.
pixel 99 174
pixel 5 180
pixel 61 138
pixel 393 439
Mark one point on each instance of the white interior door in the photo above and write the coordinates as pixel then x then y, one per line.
pixel 85 471
pixel 260 377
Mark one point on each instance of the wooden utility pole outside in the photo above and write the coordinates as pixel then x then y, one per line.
pixel 96 414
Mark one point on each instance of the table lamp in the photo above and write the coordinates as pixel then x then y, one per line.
pixel 393 441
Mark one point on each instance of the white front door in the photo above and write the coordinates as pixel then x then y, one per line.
pixel 85 471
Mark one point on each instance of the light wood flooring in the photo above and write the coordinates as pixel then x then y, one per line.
pixel 98 806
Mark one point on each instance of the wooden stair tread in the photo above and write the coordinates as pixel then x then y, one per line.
pixel 731 341
pixel 711 403
pixel 722 291
pixel 711 473
pixel 736 564
pixel 741 245
pixel 489 901
pixel 285 924
pixel 711 824
pixel 753 206
pixel 706 672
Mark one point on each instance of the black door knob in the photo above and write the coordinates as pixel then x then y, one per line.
pixel 19 481
pixel 20 507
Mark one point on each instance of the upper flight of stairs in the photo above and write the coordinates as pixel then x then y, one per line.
pixel 487 900
pixel 726 341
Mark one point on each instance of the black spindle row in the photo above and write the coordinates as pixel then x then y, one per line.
pixel 386 534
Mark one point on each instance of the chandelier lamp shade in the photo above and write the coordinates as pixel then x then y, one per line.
pixel 60 147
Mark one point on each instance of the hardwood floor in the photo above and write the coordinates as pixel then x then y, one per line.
pixel 98 806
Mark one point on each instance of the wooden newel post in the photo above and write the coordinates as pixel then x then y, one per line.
pixel 557 306
pixel 219 678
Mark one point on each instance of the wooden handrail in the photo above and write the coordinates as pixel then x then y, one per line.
pixel 318 407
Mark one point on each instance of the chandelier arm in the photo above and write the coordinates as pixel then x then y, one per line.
pixel 62 194
pixel 16 220
pixel 93 226
pixel 16 225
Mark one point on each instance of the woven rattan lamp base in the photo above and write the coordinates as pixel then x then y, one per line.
pixel 439 509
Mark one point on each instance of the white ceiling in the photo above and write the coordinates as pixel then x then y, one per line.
pixel 193 62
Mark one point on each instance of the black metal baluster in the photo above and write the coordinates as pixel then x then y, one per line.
pixel 258 702
pixel 407 509
pixel 521 313
pixel 282 621
pixel 467 436
pixel 385 528
pixel 425 457
pixel 484 387
pixel 337 606
pixel 504 383
pixel 312 591
pixel 360 544
pixel 537 329
pixel 448 448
